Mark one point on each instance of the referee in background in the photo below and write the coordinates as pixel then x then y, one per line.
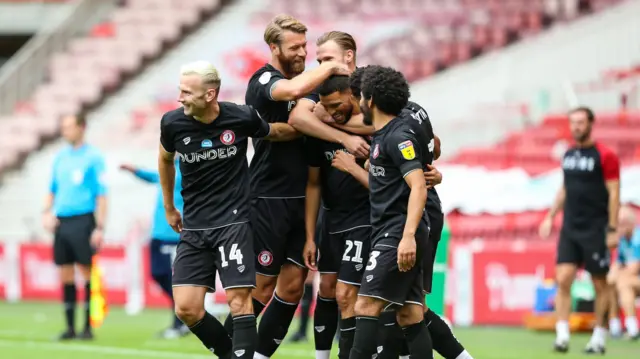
pixel 75 213
pixel 164 240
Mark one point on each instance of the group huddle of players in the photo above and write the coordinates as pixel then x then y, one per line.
pixel 340 138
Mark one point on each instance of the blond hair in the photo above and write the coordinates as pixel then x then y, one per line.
pixel 207 72
pixel 343 39
pixel 279 24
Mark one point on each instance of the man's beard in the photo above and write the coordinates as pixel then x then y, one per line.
pixel 367 118
pixel 582 137
pixel 291 67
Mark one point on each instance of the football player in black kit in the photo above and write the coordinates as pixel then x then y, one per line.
pixel 391 337
pixel 210 139
pixel 345 245
pixel 400 229
pixel 278 179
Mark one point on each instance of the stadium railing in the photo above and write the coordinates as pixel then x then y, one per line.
pixel 25 70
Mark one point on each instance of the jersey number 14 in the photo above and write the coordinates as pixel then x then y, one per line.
pixel 234 255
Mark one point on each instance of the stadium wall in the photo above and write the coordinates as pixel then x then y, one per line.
pixel 536 72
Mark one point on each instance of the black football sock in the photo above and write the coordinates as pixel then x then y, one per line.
pixel 389 336
pixel 274 325
pixel 363 345
pixel 213 335
pixel 87 306
pixel 69 300
pixel 245 336
pixel 305 308
pixel 419 341
pixel 444 342
pixel 325 324
pixel 257 309
pixel 347 332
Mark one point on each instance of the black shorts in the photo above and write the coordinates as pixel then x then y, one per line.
pixel 279 233
pixel 227 250
pixel 161 256
pixel 436 221
pixel 346 253
pixel 72 240
pixel 383 280
pixel 586 248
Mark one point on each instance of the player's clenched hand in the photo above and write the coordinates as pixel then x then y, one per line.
pixel 337 68
pixel 49 221
pixel 545 227
pixel 322 114
pixel 358 146
pixel 343 161
pixel 612 240
pixel 174 219
pixel 406 253
pixel 432 177
pixel 309 255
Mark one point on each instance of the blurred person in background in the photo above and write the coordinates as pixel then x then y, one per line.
pixel 278 179
pixel 75 212
pixel 210 139
pixel 164 240
pixel 590 198
pixel 625 272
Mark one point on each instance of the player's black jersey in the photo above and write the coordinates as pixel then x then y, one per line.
pixel 213 162
pixel 346 199
pixel 413 111
pixel 278 169
pixel 397 149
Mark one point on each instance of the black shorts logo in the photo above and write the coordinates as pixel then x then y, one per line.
pixel 265 258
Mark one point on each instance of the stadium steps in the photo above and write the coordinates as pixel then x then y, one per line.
pixel 129 200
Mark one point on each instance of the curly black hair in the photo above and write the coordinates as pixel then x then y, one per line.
pixel 356 80
pixel 387 89
pixel 333 84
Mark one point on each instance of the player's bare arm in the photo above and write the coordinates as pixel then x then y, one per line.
pixel 304 120
pixel 167 172
pixel 346 162
pixel 282 132
pixel 305 83
pixel 613 187
pixel 558 204
pixel 436 150
pixel 415 211
pixel 101 218
pixel 312 206
pixel 356 125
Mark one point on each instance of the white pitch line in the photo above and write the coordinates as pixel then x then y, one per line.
pixel 119 351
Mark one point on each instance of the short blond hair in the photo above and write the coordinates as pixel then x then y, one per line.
pixel 343 39
pixel 279 24
pixel 207 72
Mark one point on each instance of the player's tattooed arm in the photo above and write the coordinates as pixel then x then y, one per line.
pixel 346 162
pixel 305 83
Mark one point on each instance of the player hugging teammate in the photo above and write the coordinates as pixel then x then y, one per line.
pixel 377 248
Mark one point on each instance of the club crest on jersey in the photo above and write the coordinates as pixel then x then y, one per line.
pixel 186 140
pixel 376 151
pixel 206 144
pixel 407 150
pixel 265 258
pixel 227 137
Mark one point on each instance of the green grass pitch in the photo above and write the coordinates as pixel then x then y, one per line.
pixel 27 329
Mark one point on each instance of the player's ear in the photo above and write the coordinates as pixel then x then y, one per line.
pixel 275 49
pixel 349 56
pixel 211 94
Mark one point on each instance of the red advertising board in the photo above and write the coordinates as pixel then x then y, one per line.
pixel 40 280
pixel 505 278
pixel 4 271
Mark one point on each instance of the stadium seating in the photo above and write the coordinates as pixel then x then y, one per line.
pixel 96 65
